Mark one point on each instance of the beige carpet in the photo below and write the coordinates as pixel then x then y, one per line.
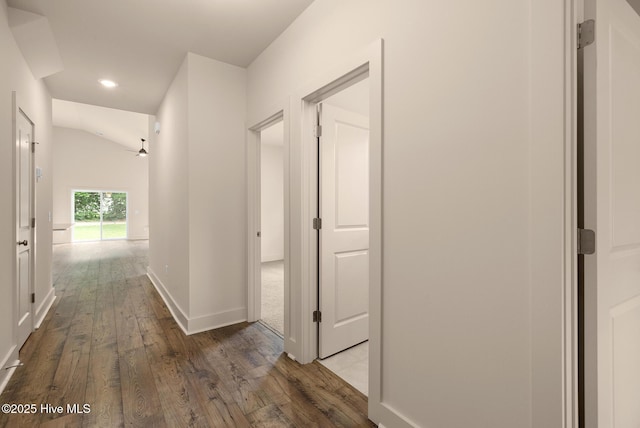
pixel 273 295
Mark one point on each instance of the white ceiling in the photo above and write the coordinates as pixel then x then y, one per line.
pixel 141 43
pixel 119 126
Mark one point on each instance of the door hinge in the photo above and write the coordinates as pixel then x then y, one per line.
pixel 586 33
pixel 317 131
pixel 317 223
pixel 33 222
pixel 33 146
pixel 317 316
pixel 33 297
pixel 586 241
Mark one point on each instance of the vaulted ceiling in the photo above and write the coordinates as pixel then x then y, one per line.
pixel 141 43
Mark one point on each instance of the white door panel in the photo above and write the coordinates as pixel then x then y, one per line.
pixel 352 284
pixel 612 209
pixel 24 303
pixel 625 322
pixel 24 246
pixel 25 177
pixel 351 175
pixel 344 237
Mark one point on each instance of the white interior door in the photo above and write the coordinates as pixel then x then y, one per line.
pixel 24 206
pixel 612 209
pixel 344 236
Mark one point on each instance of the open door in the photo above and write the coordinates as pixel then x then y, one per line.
pixel 612 210
pixel 24 225
pixel 344 232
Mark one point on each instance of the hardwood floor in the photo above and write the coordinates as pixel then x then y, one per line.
pixel 110 342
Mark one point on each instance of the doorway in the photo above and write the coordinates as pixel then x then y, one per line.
pixel 268 297
pixel 272 226
pixel 343 233
pixel 99 215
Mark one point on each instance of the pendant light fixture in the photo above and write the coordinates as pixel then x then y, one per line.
pixel 142 152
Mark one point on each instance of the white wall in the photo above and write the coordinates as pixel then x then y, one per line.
pixel 217 212
pixel 472 295
pixel 85 161
pixel 34 99
pixel 169 196
pixel 197 188
pixel 272 193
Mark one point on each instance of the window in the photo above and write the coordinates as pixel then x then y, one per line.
pixel 99 215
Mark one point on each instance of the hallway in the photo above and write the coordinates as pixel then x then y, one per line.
pixel 110 342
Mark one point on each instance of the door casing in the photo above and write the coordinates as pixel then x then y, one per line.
pixel 366 63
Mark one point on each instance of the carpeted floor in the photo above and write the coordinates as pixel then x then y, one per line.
pixel 273 295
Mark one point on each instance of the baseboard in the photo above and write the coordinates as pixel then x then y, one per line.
pixel 197 324
pixel 385 416
pixel 174 308
pixel 138 238
pixel 44 307
pixel 10 360
pixel 217 320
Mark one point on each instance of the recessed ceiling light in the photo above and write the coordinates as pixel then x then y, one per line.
pixel 108 83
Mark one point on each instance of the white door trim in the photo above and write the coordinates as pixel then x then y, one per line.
pixel 367 62
pixel 570 291
pixel 553 190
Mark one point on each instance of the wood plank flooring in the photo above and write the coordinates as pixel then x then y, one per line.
pixel 110 342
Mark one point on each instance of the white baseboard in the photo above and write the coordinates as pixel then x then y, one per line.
pixel 272 257
pixel 44 307
pixel 386 416
pixel 217 320
pixel 196 324
pixel 138 238
pixel 174 308
pixel 11 359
